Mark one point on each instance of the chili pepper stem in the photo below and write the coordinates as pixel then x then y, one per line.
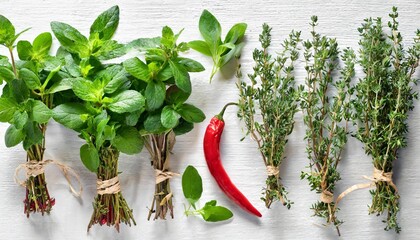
pixel 220 115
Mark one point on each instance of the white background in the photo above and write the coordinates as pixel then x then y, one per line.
pixel 70 216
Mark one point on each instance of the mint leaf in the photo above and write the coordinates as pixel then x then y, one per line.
pixel 210 29
pixel 71 39
pixel 13 136
pixel 8 108
pixel 191 113
pixel 212 213
pixel 128 140
pixel 200 46
pixel 169 117
pixel 63 85
pixel 183 127
pixel 70 115
pixel 182 78
pixel 118 82
pixel 192 185
pixel 86 90
pixel 6 74
pixel 127 101
pixel 19 90
pixel 236 33
pixel 155 94
pixel 33 135
pixel 40 112
pixel 90 157
pixel 42 45
pixel 106 23
pixel 137 69
pixel 174 95
pixel 7 31
pixel 191 65
pixel 20 119
pixel 153 124
pixel 165 74
pixel 31 79
pixel 25 50
pixel 142 44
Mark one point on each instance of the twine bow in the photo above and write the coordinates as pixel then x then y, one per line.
pixel 272 170
pixel 377 176
pixel 34 168
pixel 110 186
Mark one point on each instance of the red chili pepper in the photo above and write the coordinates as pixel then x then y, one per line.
pixel 212 153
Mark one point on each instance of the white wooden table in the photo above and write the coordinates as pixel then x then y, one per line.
pixel 70 216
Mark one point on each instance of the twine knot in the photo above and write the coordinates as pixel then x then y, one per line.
pixel 272 170
pixel 164 175
pixel 327 197
pixel 110 186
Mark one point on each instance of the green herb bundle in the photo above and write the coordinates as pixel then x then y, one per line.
pixel 164 79
pixel 271 96
pixel 325 104
pixel 25 103
pixel 97 102
pixel 384 97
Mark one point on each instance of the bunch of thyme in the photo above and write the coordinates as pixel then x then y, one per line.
pixel 271 97
pixel 384 98
pixel 325 104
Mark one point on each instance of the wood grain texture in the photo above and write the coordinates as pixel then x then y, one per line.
pixel 70 216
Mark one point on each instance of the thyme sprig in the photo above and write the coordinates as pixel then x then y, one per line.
pixel 325 103
pixel 267 106
pixel 384 97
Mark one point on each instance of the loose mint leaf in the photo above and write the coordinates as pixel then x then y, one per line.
pixel 7 31
pixel 191 65
pixel 42 45
pixel 31 79
pixel 210 30
pixel 33 135
pixel 40 112
pixel 86 90
pixel 25 50
pixel 20 119
pixel 191 113
pixel 192 185
pixel 200 46
pixel 106 23
pixel 128 140
pixel 212 213
pixel 183 127
pixel 8 108
pixel 153 124
pixel 13 136
pixel 169 117
pixel 71 39
pixel 127 101
pixel 70 115
pixel 137 69
pixel 6 74
pixel 174 95
pixel 182 78
pixel 155 94
pixel 90 157
pixel 236 33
